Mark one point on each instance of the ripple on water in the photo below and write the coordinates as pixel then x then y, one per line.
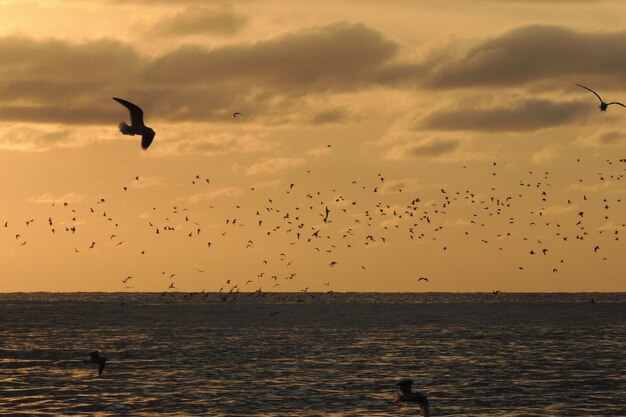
pixel 481 359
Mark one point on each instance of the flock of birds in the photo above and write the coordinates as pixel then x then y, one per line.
pixel 308 223
pixel 327 222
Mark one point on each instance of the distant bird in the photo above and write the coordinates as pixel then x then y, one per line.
pixel 603 106
pixel 495 292
pixel 235 114
pixel 136 124
pixel 423 279
pixel 406 395
pixel 96 358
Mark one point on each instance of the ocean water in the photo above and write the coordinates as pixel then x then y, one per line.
pixel 313 354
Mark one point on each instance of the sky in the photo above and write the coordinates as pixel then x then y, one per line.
pixel 378 143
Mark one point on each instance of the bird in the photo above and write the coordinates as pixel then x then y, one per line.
pixel 406 395
pixel 137 127
pixel 235 114
pixel 603 106
pixel 423 279
pixel 96 358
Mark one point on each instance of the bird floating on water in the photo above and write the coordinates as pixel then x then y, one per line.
pixel 96 358
pixel 137 127
pixel 603 106
pixel 406 395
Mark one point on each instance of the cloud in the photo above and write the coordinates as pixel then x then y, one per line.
pixel 522 115
pixel 557 210
pixel 328 116
pixel 217 193
pixel 423 148
pixel 58 81
pixel 148 181
pixel 47 198
pixel 274 165
pixel 339 57
pixel 199 21
pixel 271 184
pixel 319 151
pixel 545 155
pixel 26 138
pixel 408 185
pixel 612 137
pixel 529 54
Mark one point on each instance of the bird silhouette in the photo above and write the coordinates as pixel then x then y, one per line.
pixel 96 358
pixel 137 127
pixel 603 106
pixel 406 395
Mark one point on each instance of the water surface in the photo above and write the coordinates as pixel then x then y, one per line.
pixel 313 354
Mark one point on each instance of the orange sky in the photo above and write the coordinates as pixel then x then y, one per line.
pixel 468 106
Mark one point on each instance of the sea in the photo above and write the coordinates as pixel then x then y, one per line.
pixel 312 354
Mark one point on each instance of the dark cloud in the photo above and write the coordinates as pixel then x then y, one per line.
pixel 57 81
pixel 524 115
pixel 61 114
pixel 340 56
pixel 199 21
pixel 52 60
pixel 530 54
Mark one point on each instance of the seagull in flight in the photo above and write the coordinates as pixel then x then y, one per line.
pixel 136 124
pixel 603 106
pixel 96 358
pixel 235 114
pixel 406 395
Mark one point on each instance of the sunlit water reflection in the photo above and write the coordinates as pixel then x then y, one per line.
pixel 332 355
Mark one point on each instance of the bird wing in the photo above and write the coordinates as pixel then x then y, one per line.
pixel 589 89
pixel 136 114
pixel 615 102
pixel 146 139
pixel 94 355
pixel 101 364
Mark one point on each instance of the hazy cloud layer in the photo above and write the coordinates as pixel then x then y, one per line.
pixel 524 115
pixel 199 21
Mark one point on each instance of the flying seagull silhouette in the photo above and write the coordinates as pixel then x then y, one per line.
pixel 96 358
pixel 603 106
pixel 136 124
pixel 406 395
